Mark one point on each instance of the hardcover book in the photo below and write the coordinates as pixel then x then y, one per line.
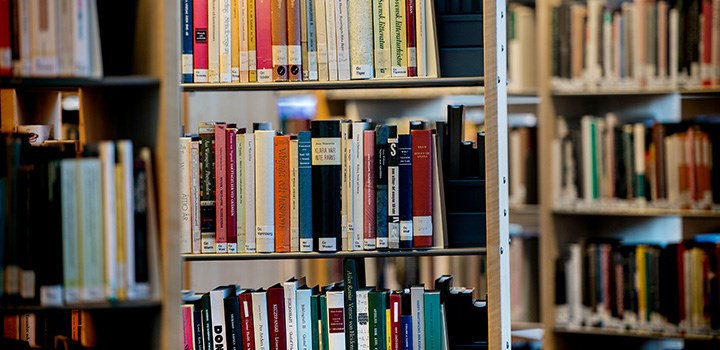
pixel 358 183
pixel 264 40
pixel 187 42
pixel 361 41
pixel 369 189
pixel 264 191
pixel 276 317
pixel 200 41
pixel 393 195
pixel 231 188
pixel 382 24
pixel 422 181
pixel 381 186
pixel 405 190
pixel 282 193
pixel 295 63
pixel 305 192
pixel 207 186
pixel 326 184
pixel 279 27
pixel 221 208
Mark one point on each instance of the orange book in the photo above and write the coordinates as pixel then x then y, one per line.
pixel 278 15
pixel 282 193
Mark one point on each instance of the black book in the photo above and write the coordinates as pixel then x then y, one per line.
pixel 326 184
pixel 142 269
pixel 232 322
pixel 393 197
pixel 455 127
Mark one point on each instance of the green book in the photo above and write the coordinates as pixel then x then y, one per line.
pixel 315 314
pixel 377 300
pixel 433 325
pixel 323 323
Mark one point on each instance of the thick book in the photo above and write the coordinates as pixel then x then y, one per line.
pixel 231 188
pixel 398 39
pixel 282 193
pixel 225 40
pixel 422 205
pixel 393 195
pixel 354 279
pixel 361 41
pixel 188 341
pixel 264 40
pixel 221 207
pixel 305 318
pixel 260 320
pixel 276 317
pixel 405 190
pixel 326 184
pixel 417 308
pixel 264 191
pixel 90 230
pixel 217 315
pixel 369 189
pixel 357 183
pixel 343 39
pixel 382 24
pixel 381 186
pixel 43 38
pixel 336 320
pixel 214 37
pixel 107 158
pixel 246 319
pixel 395 326
pixel 305 192
pixel 433 315
pixel 207 186
pixel 290 289
pixel 187 41
pixel 294 49
pixel 279 26
pixel 233 330
pixel 377 301
pixel 5 38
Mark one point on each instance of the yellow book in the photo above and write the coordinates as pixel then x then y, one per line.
pixel 121 254
pixel 252 55
pixel 398 36
pixel 388 331
pixel 235 42
pixel 641 283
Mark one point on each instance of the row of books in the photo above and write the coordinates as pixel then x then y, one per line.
pixel 343 315
pixel 670 289
pixel 604 161
pixel 341 186
pixel 226 41
pixel 77 229
pixel 604 44
pixel 49 38
pixel 67 329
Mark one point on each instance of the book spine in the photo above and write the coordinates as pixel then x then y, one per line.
pixel 233 336
pixel 70 226
pixel 326 183
pixel 324 324
pixel 231 190
pixel 249 191
pixel 405 190
pixel 185 197
pixel 107 157
pixel 282 193
pixel 252 41
pixel 706 20
pixel 422 188
pixel 421 35
pixel 264 191
pixel 361 41
pixel 395 312
pixel 407 332
pixel 124 174
pixel 207 187
pixel 398 39
pixel 195 196
pixel 357 184
pixel 90 230
pixel 279 26
pixel 352 281
pixel 639 156
pixel 377 307
pixel 221 209
pixel 363 327
pixel 200 41
pixel 240 190
pixel 304 38
pixel 225 40
pixel 294 40
pixel 347 187
pixel 264 40
pixel 304 319
pixel 244 40
pixel 331 34
pixel 5 38
pixel 276 318
pixel 44 56
pixel 187 42
pixel 393 198
pixel 715 45
pixel 213 32
pixel 81 39
pixel 291 316
pixel 260 320
pixel 433 337
pixel 312 40
pixel 235 41
pixel 382 22
pixel 294 196
pixel 207 321
pixel 336 320
pixel 344 178
pixel 369 189
pixel 188 331
pixel 417 308
pixel 381 186
pixel 246 320
pixel 343 40
pixel 197 329
pixel 321 35
pixel 316 325
pixel 305 191
pixel 217 318
pixel 410 25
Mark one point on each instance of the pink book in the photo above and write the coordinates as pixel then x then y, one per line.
pixel 263 40
pixel 200 44
pixel 231 189
pixel 369 188
pixel 188 331
pixel 220 188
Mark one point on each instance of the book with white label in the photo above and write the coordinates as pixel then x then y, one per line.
pixel 361 41
pixel 381 28
pixel 213 33
pixel 264 191
pixel 260 320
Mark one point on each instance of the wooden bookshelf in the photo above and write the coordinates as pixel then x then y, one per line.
pixel 68 83
pixel 126 305
pixel 635 211
pixel 634 333
pixel 329 85
pixel 338 255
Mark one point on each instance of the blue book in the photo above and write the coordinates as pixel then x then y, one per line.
pixel 406 332
pixel 381 186
pixel 187 41
pixel 405 191
pixel 305 191
pixel 393 212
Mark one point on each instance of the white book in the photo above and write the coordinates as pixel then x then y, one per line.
pixel 107 159
pixel 185 196
pixel 249 191
pixel 574 282
pixel 361 39
pixel 674 45
pixel 294 198
pixel 126 190
pixel 225 42
pixel 217 316
pixel 343 40
pixel 592 46
pixel 417 309
pixel 260 320
pixel 347 199
pixel 290 288
pixel 195 196
pixel 304 318
pixel 322 39
pixel 381 39
pixel 64 41
pixel 587 147
pixel 438 216
pixel 213 33
pixel 70 228
pixel 331 29
pixel 90 230
pixel 336 319
pixel 240 188
pixel 264 191
pixel 421 42
pixel 43 26
pixel 363 318
pixel 357 185
pixel 344 194
pixel 81 34
pixel 310 23
pixel 244 42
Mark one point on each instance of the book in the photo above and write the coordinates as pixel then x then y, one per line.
pixel 294 195
pixel 411 37
pixel 214 37
pixel 369 189
pixel 90 230
pixel 264 191
pixel 377 306
pixel 354 279
pixel 188 341
pixel 235 41
pixel 305 320
pixel 110 236
pixel 243 40
pixel 221 188
pixel 433 317
pixel 185 188
pixel 233 331
pixel 381 186
pixel 357 183
pixel 361 41
pixel 305 192
pixel 70 228
pixel 206 131
pixel 398 39
pixel 252 42
pixel 345 190
pixel 422 42
pixel 405 190
pixel 363 318
pixel 281 177
pixel 336 319
pixel 231 188
pixel 264 41
pixel 278 15
pixel 395 313
pixel 422 188
pixel 5 37
pixel 248 191
pixel 43 34
pixel 225 40
pixel 217 314
pixel 277 331
pixel 322 37
pixel 332 49
pixel 417 307
pixel 207 321
pixel 393 199
pixel 343 39
pixel 260 320
pixel 240 222
pixel 294 36
pixel 187 41
pixel 290 289
pixel 310 21
pixel 246 319
pixel 382 24
pixel 326 184
pixel 126 219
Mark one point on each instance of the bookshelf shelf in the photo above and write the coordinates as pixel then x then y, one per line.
pixel 129 305
pixel 349 84
pixel 338 255
pixel 604 92
pixel 73 83
pixel 522 325
pixel 635 211
pixel 635 333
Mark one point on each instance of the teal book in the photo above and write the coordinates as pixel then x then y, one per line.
pixel 325 338
pixel 433 325
pixel 377 300
pixel 305 191
pixel 315 314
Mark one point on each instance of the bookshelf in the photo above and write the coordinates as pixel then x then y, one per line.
pixel 562 223
pixel 495 108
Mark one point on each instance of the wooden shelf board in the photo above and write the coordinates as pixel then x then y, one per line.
pixel 633 334
pixel 67 83
pixel 144 304
pixel 338 255
pixel 637 91
pixel 347 84
pixel 630 211
pixel 522 325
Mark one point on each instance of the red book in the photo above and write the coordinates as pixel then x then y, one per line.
pixel 706 66
pixel 220 188
pixel 691 164
pixel 200 43
pixel 681 280
pixel 263 41
pixel 276 317
pixel 278 13
pixel 411 38
pixel 5 48
pixel 395 313
pixel 422 203
pixel 246 320
pixel 369 188
pixel 282 193
pixel 231 190
pixel 188 331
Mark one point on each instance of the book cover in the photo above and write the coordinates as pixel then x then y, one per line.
pixel 363 318
pixel 395 313
pixel 294 195
pixel 231 188
pixel 217 315
pixel 264 41
pixel 200 41
pixel 277 330
pixel 187 42
pixel 410 26
pixel 188 341
pixel 383 20
pixel 290 289
pixel 249 190
pixel 207 186
pixel 393 198
pixel 381 186
pixel 221 208
pixel 369 189
pixel 252 42
pixel 282 193
pixel 326 184
pixel 279 26
pixel 331 33
pixel 354 279
pixel 377 306
pixel 422 188
pixel 246 319
pixel 358 183
pixel 264 191
pixel 305 192
pixel 309 20
pixel 233 331
pixel 417 308
pixel 260 320
pixel 343 40
pixel 398 38
pixel 361 41
pixel 322 38
pixel 336 320
pixel 405 190
pixel 294 44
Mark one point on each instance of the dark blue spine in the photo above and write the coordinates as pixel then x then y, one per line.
pixel 381 186
pixel 405 165
pixel 406 332
pixel 187 41
pixel 305 191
